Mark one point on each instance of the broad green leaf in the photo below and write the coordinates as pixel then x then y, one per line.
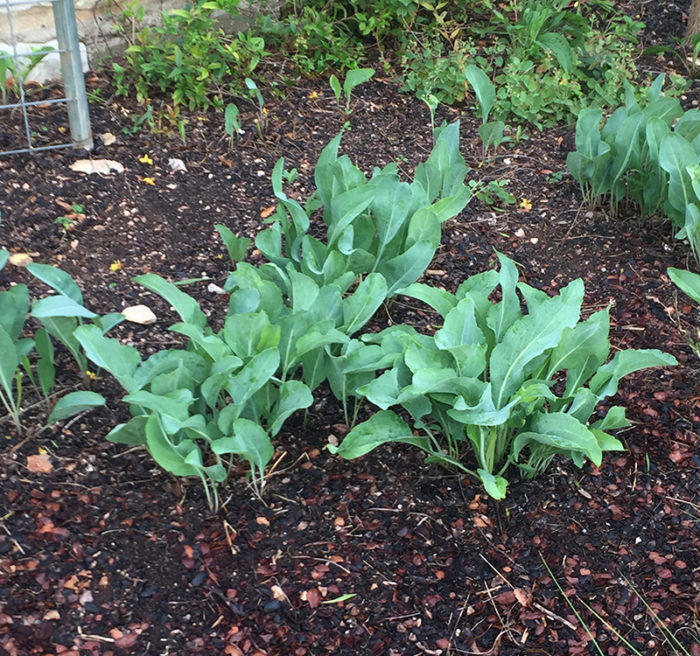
pixel 656 130
pixel 184 305
pixel 63 329
pixel 483 88
pixel 249 441
pixel 460 327
pixel 688 125
pixel 423 226
pixel 59 306
pixel 491 133
pixel 581 351
pixel 46 371
pixel 495 486
pixel 74 403
pixel 173 407
pixel 557 44
pixel 382 428
pixel 293 395
pixel 14 308
pixel 687 281
pixel 530 337
pixel 236 246
pixel 354 78
pixel 607 378
pixel 4 256
pixel 675 155
pixel 170 456
pixel 406 268
pixel 252 377
pixel 132 432
pixel 244 332
pixel 614 418
pixel 359 308
pixel 9 361
pixel 391 207
pixel 506 312
pixel 56 279
pixel 440 300
pixel 449 207
pixel 120 360
pixel 383 390
pixel 345 208
pixel 484 413
pixel 562 432
pixel 323 173
pixel 291 328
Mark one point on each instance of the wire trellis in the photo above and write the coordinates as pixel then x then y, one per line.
pixel 74 96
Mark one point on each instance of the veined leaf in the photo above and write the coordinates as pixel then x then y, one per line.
pixel 118 359
pixel 56 279
pixel 59 306
pixel 607 378
pixel 73 403
pixel 483 88
pixel 184 305
pixel 382 428
pixel 530 337
pixel 9 361
pixel 175 458
pixel 293 395
pixel 687 281
pixel 359 308
pixel 440 300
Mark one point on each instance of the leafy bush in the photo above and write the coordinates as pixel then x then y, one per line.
pixel 229 391
pixel 512 388
pixel 647 153
pixel 188 56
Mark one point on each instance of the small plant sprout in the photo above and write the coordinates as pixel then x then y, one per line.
pixel 232 123
pixel 491 132
pixel 354 78
pixel 67 221
pixel 262 111
pixel 432 102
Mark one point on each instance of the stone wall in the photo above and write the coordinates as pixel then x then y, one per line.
pixel 33 28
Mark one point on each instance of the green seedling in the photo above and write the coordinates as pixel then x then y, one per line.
pixel 232 123
pixel 491 132
pixel 353 79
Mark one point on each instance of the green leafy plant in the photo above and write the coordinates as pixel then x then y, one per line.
pixel 15 350
pixel 491 132
pixel 353 79
pixel 67 221
pixel 511 388
pixel 189 56
pixel 648 153
pixel 261 121
pixel 232 123
pixel 689 283
pixel 12 75
pixel 381 225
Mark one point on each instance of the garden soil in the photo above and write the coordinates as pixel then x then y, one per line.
pixel 102 553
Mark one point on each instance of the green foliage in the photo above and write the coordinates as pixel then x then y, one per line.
pixel 11 75
pixel 58 315
pixel 353 78
pixel 687 281
pixel 647 153
pixel 232 124
pixel 512 388
pixel 188 56
pixel 381 225
pixel 491 132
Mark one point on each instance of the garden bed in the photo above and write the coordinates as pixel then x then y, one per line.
pixel 104 553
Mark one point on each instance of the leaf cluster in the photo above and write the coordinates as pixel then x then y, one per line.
pixel 646 153
pixel 497 386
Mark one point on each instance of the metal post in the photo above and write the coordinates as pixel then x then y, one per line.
pixel 72 67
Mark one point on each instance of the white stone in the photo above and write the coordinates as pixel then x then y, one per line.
pixel 177 165
pixel 48 69
pixel 140 314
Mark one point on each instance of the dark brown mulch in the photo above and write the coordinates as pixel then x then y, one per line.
pixel 106 554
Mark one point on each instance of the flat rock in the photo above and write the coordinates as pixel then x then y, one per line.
pixel 141 314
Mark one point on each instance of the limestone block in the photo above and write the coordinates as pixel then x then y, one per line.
pixel 49 68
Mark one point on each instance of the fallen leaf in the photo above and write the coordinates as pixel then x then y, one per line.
pixel 267 211
pixel 108 138
pixel 99 166
pixel 312 598
pixel 145 159
pixel 39 464
pixel 148 181
pixel 116 265
pixel 20 259
pixel 523 595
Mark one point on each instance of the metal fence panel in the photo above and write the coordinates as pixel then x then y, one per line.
pixel 75 97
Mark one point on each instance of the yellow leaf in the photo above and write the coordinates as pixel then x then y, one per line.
pixel 116 265
pixel 145 160
pixel 526 204
pixel 148 181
